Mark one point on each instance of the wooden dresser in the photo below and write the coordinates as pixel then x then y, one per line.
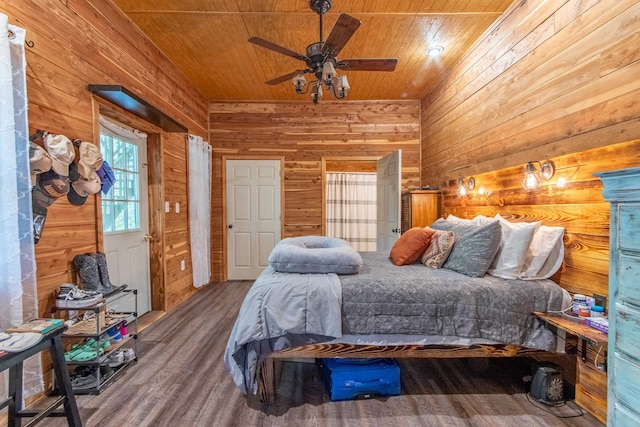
pixel 420 208
pixel 622 190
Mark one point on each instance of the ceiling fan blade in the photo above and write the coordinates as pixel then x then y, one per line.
pixel 277 48
pixel 284 78
pixel 340 34
pixel 368 64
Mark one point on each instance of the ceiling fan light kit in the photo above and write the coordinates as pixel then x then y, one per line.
pixel 321 58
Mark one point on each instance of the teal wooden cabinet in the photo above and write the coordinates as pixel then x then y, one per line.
pixel 622 190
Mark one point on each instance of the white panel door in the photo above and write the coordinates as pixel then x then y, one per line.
pixel 389 170
pixel 125 215
pixel 253 215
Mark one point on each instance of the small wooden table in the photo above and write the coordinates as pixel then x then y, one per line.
pixel 575 327
pixel 14 362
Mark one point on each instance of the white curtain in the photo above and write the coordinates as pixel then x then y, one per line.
pixel 351 208
pixel 200 209
pixel 18 292
pixel 120 131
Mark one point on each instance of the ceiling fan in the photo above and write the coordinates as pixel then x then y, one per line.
pixel 321 57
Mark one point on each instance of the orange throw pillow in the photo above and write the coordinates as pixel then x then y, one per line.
pixel 411 245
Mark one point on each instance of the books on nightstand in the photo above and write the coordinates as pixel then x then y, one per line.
pixel 36 325
pixel 599 323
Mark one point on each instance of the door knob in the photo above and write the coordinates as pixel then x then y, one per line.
pixel 147 237
pixel 230 226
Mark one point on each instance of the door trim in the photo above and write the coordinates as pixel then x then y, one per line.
pixel 155 189
pixel 225 256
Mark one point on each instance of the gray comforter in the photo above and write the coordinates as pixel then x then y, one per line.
pixel 418 300
pixel 283 310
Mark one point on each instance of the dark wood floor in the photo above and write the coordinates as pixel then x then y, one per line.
pixel 180 380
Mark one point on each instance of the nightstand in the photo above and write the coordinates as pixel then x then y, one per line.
pixel 591 381
pixel 576 327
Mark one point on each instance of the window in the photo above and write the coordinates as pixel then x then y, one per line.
pixel 121 205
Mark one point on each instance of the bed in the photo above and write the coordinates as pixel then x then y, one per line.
pixel 389 310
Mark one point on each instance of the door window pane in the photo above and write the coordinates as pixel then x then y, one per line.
pixel 121 205
pixel 108 218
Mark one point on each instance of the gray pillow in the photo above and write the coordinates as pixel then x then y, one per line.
pixel 315 254
pixel 474 248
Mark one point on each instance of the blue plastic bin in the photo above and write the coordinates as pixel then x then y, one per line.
pixel 361 378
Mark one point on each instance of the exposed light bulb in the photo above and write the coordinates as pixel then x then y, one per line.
pixel 531 180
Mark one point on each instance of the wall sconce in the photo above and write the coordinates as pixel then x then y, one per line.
pixel 464 188
pixel 533 176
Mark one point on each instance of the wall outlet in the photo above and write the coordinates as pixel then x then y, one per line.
pixel 182 266
pixel 177 207
pixel 601 300
pixel 167 207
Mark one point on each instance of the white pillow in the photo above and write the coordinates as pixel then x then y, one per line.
pixel 453 218
pixel 482 220
pixel 545 255
pixel 514 245
pixel 478 220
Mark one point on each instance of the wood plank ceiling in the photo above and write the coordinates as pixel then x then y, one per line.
pixel 207 39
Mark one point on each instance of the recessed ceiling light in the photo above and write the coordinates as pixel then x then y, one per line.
pixel 434 50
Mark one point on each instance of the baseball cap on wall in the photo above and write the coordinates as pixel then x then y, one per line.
pixel 81 188
pixel 40 202
pixel 53 184
pixel 107 177
pixel 62 153
pixel 39 161
pixel 90 159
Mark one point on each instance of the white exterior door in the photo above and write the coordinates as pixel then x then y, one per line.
pixel 253 215
pixel 125 219
pixel 389 169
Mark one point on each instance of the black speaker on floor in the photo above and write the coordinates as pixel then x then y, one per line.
pixel 546 384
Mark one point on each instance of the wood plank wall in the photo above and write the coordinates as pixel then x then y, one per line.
pixel 305 134
pixel 78 42
pixel 548 78
pixel 577 205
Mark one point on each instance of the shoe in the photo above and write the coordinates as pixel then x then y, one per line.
pixel 85 382
pixel 88 267
pixel 83 371
pixel 116 359
pixel 81 355
pixel 124 331
pixel 106 371
pixel 70 296
pixel 103 272
pixel 114 334
pixel 86 351
pixel 129 355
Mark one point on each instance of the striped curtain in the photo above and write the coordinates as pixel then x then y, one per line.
pixel 351 208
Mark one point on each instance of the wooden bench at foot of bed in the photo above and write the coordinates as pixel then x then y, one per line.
pixel 268 378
